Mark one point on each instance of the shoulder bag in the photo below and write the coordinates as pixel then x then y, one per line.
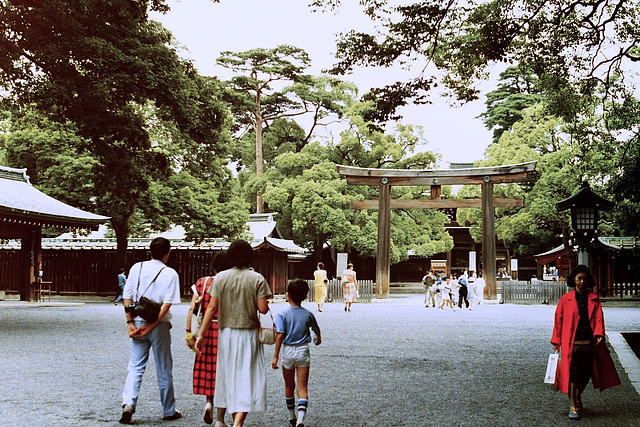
pixel 267 335
pixel 148 309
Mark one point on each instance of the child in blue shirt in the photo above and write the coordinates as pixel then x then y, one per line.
pixel 293 326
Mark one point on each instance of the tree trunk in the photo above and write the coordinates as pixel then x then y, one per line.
pixel 317 252
pixel 121 227
pixel 259 158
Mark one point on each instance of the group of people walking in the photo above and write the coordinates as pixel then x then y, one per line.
pixel 229 368
pixel 453 291
pixel 349 283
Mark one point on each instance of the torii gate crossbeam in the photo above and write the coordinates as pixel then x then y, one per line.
pixel 484 176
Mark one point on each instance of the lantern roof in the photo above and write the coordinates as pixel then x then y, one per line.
pixel 584 198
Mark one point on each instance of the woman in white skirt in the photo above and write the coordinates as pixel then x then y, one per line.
pixel 237 295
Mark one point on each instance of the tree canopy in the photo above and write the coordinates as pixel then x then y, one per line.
pixel 101 67
pixel 270 86
pixel 574 47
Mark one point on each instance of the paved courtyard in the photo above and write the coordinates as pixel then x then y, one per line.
pixel 392 363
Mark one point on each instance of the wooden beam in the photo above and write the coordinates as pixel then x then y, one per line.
pixel 418 181
pixel 437 203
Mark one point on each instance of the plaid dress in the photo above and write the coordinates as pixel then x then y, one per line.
pixel 204 368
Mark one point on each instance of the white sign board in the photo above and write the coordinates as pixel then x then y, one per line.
pixel 341 265
pixel 514 265
pixel 472 261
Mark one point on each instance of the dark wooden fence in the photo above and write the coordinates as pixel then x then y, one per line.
pixel 366 291
pixel 95 271
pixel 537 292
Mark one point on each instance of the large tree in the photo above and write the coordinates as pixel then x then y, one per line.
pixel 312 198
pixel 517 90
pixel 98 65
pixel 271 85
pixel 573 46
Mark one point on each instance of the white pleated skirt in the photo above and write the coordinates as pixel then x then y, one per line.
pixel 241 382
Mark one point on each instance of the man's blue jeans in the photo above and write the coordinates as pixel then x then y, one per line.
pixel 159 339
pixel 119 298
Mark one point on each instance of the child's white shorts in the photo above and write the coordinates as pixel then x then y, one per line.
pixel 295 356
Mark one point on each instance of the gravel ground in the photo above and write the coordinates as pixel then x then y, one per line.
pixel 393 363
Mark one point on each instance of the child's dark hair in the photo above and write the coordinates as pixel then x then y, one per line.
pixel 298 290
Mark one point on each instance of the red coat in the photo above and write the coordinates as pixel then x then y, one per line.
pixel 564 329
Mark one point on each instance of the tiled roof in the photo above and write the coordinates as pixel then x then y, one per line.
pixel 20 202
pixel 143 243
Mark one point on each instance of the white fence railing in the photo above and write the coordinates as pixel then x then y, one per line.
pixel 538 292
pixel 626 290
pixel 366 291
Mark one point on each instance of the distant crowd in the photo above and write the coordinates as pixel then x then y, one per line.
pixel 453 291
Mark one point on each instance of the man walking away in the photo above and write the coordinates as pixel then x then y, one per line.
pixel 159 283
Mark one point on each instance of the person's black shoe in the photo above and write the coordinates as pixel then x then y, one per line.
pixel 127 413
pixel 175 416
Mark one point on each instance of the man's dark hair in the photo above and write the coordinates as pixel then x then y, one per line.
pixel 571 280
pixel 240 253
pixel 298 290
pixel 159 247
pixel 221 262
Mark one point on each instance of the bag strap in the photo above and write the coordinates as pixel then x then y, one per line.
pixel 205 287
pixel 273 322
pixel 154 279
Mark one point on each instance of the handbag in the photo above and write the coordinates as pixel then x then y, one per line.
pixel 146 308
pixel 552 369
pixel 267 335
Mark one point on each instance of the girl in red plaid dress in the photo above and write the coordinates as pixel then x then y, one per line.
pixel 204 368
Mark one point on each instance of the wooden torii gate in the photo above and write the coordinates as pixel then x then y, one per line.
pixel 485 176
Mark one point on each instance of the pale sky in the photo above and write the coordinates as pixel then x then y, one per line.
pixel 206 29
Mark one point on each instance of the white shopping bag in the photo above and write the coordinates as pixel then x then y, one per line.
pixel 552 367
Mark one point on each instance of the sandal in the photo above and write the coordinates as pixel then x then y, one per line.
pixel 208 414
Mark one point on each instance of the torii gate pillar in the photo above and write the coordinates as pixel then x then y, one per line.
pixel 489 242
pixel 383 254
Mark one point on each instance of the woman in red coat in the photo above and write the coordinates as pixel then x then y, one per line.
pixel 578 333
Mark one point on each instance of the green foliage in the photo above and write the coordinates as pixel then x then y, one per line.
pixel 51 153
pixel 573 47
pixel 516 91
pixel 106 68
pixel 313 199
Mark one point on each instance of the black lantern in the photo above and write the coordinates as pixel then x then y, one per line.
pixel 584 206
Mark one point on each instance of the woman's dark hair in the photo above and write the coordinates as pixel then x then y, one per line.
pixel 350 265
pixel 321 266
pixel 221 262
pixel 571 280
pixel 159 247
pixel 240 253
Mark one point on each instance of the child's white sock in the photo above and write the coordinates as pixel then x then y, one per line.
pixel 302 410
pixel 291 406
